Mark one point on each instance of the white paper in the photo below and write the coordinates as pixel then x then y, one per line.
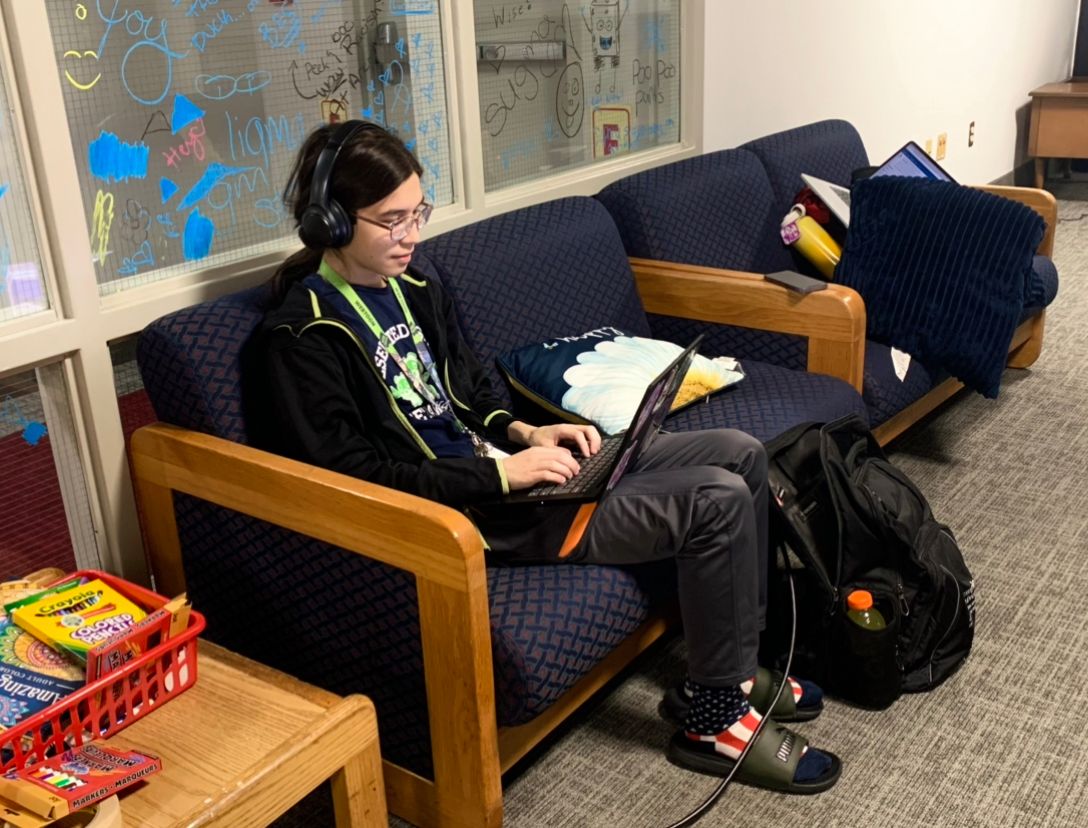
pixel 900 362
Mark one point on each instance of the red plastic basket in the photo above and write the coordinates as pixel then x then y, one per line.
pixel 114 701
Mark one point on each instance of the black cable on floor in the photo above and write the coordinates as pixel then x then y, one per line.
pixel 708 803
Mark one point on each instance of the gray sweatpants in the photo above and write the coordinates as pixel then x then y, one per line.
pixel 700 498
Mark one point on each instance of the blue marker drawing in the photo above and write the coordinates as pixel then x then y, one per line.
pixel 3 189
pixel 34 432
pixel 168 188
pixel 215 173
pixel 11 412
pixel 185 112
pixel 196 241
pixel 111 158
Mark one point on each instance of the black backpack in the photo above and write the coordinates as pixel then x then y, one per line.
pixel 852 520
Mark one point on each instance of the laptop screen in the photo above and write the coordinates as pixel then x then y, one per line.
pixel 912 162
pixel 655 408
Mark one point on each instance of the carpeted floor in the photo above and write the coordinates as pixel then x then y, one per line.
pixel 1005 741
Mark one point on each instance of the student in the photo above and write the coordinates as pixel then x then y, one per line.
pixel 371 377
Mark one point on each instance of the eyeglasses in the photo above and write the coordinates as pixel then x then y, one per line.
pixel 402 227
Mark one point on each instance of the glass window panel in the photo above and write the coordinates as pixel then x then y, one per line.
pixel 22 288
pixel 44 509
pixel 186 115
pixel 565 85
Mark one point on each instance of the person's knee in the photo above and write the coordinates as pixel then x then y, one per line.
pixel 741 451
pixel 722 494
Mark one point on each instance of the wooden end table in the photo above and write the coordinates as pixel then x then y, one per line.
pixel 247 742
pixel 1059 123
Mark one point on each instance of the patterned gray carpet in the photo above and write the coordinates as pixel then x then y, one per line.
pixel 1004 742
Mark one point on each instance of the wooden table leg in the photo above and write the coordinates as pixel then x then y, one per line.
pixel 358 790
pixel 358 794
pixel 1040 172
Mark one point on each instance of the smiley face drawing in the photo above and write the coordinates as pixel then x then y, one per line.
pixel 570 100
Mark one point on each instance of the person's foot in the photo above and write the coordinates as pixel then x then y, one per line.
pixel 720 724
pixel 803 701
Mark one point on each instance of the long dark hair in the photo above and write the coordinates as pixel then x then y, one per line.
pixel 370 166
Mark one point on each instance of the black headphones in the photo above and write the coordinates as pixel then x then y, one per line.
pixel 324 222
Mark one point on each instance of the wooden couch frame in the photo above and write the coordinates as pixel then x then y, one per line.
pixel 443 550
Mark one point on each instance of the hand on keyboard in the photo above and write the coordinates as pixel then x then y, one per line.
pixel 539 464
pixel 584 439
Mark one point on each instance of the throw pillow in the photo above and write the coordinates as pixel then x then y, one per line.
pixel 600 376
pixel 943 269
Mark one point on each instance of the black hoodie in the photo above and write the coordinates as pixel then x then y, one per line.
pixel 332 409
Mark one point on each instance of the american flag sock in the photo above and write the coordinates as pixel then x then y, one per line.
pixel 722 717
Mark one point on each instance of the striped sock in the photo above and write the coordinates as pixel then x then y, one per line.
pixel 721 715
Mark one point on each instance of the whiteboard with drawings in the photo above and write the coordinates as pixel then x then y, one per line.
pixel 565 84
pixel 185 115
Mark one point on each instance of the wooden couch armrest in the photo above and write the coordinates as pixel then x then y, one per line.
pixel 1041 201
pixel 832 319
pixel 439 545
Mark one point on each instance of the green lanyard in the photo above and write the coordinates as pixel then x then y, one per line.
pixel 367 315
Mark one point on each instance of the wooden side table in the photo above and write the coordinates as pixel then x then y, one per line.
pixel 247 742
pixel 1059 123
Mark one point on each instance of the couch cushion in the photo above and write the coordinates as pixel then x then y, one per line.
pixel 716 210
pixel 550 625
pixel 884 392
pixel 1042 286
pixel 191 363
pixel 830 150
pixel 770 401
pixel 533 273
pixel 785 350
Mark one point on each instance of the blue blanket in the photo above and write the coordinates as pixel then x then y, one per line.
pixel 944 272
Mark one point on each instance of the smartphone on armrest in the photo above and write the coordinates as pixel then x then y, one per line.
pixel 795 281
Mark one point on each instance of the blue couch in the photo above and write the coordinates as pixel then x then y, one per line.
pixel 358 588
pixel 722 210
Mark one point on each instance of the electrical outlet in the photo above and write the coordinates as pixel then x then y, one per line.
pixel 929 147
pixel 942 145
pixel 971 134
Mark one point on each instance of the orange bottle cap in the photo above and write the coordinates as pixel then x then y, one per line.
pixel 859 599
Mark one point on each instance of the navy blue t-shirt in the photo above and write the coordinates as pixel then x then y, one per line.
pixel 434 421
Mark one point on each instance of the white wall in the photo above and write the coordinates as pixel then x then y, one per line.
pixel 895 70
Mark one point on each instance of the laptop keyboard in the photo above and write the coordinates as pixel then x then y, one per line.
pixel 589 475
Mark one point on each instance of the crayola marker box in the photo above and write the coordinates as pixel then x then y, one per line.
pixel 74 620
pixel 76 778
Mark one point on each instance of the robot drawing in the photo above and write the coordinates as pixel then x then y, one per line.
pixel 603 24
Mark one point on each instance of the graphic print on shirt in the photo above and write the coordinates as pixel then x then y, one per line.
pixel 404 388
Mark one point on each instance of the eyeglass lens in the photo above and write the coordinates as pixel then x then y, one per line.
pixel 398 230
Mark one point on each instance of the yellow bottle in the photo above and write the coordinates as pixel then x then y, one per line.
pixel 811 240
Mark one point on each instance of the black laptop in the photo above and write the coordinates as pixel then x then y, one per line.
pixel 600 473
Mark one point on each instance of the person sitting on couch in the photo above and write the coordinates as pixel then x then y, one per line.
pixel 371 377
